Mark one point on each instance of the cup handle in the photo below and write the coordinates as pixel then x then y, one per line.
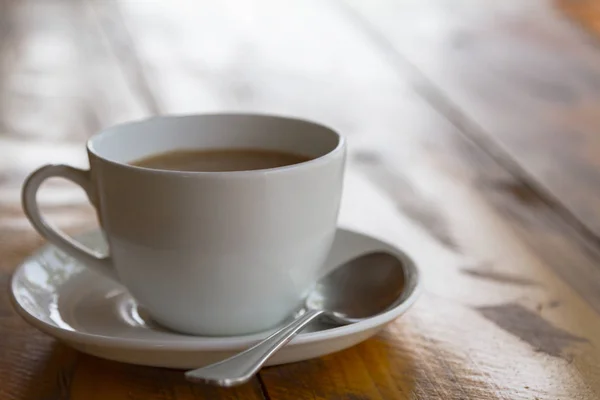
pixel 90 258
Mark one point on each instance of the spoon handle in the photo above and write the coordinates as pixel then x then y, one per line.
pixel 242 367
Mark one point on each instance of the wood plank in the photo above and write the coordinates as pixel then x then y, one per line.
pixel 489 247
pixel 516 77
pixel 59 83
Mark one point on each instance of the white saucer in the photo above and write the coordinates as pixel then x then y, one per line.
pixel 60 297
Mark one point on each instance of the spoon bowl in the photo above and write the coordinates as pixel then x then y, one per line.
pixel 361 288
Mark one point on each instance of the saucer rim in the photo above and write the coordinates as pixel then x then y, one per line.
pixel 218 343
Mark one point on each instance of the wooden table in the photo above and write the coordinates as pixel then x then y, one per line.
pixel 474 134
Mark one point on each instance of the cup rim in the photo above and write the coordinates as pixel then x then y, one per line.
pixel 314 162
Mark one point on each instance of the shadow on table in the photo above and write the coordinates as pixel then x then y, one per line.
pixel 69 374
pixel 49 367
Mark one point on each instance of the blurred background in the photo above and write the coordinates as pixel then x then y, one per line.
pixel 518 78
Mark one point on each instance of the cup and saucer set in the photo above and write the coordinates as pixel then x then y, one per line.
pixel 197 263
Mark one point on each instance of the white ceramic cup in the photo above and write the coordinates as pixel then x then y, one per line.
pixel 208 253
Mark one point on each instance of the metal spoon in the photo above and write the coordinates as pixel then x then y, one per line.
pixel 361 288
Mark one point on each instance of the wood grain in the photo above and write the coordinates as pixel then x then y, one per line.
pixel 100 379
pixel 452 168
